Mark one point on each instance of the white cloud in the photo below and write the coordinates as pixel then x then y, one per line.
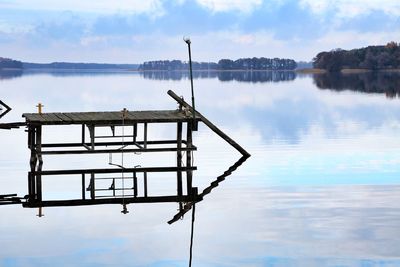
pixel 243 6
pixel 353 39
pixel 7 28
pixel 352 8
pixel 153 7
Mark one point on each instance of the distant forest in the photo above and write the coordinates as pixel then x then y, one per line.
pixel 79 66
pixel 224 64
pixel 370 58
pixel 6 63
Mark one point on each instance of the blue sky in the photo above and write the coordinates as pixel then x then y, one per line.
pixel 132 31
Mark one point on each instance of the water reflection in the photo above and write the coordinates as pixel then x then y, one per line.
pixel 4 109
pixel 314 150
pixel 224 76
pixel 10 74
pixel 368 82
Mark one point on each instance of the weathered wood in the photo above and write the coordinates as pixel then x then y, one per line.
pixel 40 163
pixel 92 136
pixel 7 195
pixel 145 183
pixel 145 135
pixel 125 150
pixel 148 169
pixel 135 185
pixel 118 143
pixel 111 200
pixel 189 173
pixel 92 186
pixel 83 186
pixel 179 158
pixel 210 125
pixel 106 118
pixel 12 125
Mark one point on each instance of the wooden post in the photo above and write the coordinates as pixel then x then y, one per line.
pixel 83 134
pixel 134 132
pixel 83 186
pixel 145 183
pixel 92 135
pixel 92 186
pixel 32 162
pixel 40 106
pixel 135 191
pixel 189 173
pixel 179 157
pixel 40 165
pixel 145 136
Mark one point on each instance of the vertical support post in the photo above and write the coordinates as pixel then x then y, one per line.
pixel 83 134
pixel 179 157
pixel 40 165
pixel 92 187
pixel 83 185
pixel 134 132
pixel 135 185
pixel 113 187
pixel 145 136
pixel 145 183
pixel 189 174
pixel 92 135
pixel 32 162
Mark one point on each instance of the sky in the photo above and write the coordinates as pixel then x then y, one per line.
pixel 133 31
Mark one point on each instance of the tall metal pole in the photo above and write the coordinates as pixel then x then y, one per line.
pixel 191 83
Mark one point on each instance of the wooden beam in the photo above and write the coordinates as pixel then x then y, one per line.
pixel 148 169
pixel 111 200
pixel 118 143
pixel 210 125
pixel 125 150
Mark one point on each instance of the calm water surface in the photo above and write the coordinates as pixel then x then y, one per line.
pixel 322 187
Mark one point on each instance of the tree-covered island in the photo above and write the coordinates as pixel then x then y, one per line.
pixel 6 63
pixel 382 57
pixel 223 64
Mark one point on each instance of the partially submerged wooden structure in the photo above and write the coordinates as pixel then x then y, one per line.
pixel 135 188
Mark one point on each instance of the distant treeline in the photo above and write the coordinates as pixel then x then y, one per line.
pixel 371 58
pixel 72 66
pixel 224 64
pixel 6 63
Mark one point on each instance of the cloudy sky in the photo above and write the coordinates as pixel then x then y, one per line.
pixel 132 31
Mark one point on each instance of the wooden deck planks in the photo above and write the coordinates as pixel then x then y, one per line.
pixel 112 117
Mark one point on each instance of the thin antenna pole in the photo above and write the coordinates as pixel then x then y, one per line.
pixel 191 80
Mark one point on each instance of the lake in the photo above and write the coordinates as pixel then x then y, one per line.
pixel 321 188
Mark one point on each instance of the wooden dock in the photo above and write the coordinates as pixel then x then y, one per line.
pixel 183 121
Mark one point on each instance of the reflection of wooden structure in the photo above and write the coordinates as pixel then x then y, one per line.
pixel 5 107
pixel 136 177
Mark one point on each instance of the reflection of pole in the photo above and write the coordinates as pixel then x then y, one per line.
pixel 191 234
pixel 191 80
pixel 40 214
